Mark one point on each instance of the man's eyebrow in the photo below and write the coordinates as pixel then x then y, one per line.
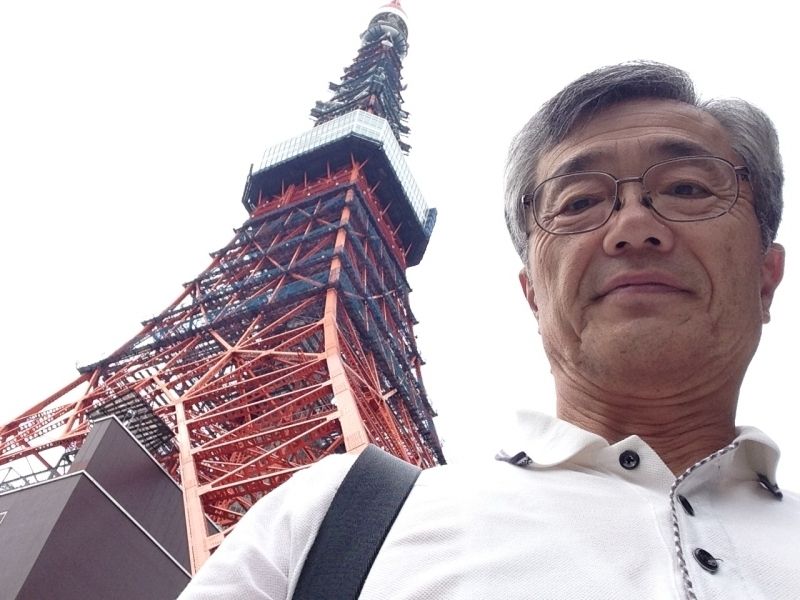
pixel 581 162
pixel 679 148
pixel 670 148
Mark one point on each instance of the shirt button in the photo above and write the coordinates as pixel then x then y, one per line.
pixel 629 460
pixel 686 505
pixel 706 560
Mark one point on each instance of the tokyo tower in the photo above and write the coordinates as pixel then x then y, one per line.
pixel 295 342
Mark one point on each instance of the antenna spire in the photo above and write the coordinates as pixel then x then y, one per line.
pixel 373 81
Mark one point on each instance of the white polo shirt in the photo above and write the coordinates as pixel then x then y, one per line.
pixel 566 516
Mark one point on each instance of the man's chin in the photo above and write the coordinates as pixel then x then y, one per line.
pixel 658 306
pixel 643 321
pixel 645 343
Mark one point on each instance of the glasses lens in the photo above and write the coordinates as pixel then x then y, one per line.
pixel 574 203
pixel 691 189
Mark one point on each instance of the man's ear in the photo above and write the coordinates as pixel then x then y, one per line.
pixel 527 289
pixel 771 275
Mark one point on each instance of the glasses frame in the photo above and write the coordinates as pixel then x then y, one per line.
pixel 740 173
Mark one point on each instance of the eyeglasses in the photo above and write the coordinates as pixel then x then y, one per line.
pixel 691 188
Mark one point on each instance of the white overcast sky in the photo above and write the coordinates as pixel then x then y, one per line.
pixel 127 130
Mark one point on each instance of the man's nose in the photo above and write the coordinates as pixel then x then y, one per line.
pixel 634 224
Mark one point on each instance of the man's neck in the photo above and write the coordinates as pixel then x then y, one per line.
pixel 680 432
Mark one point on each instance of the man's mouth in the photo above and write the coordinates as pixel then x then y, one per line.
pixel 641 283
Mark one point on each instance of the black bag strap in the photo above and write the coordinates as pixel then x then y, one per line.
pixel 361 514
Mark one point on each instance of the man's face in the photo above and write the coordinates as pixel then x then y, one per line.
pixel 643 300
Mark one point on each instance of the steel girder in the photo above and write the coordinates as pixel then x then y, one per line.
pixel 296 342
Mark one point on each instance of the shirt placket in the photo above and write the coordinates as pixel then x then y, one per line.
pixel 684 549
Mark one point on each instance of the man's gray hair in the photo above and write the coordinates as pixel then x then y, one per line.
pixel 751 132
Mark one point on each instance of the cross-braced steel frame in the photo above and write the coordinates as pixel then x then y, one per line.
pixel 296 342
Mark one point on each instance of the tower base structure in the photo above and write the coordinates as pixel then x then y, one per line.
pixel 113 527
pixel 296 342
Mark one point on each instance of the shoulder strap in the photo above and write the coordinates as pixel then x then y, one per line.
pixel 361 514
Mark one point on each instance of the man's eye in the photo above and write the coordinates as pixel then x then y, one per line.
pixel 685 189
pixel 575 206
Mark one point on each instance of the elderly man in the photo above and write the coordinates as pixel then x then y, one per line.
pixel 645 220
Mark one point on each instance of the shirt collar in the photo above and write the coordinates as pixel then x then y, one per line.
pixel 548 442
pixel 760 452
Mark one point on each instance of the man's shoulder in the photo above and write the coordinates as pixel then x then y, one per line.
pixel 264 553
pixel 484 477
pixel 309 489
pixel 312 489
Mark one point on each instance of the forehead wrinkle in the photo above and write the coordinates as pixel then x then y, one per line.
pixel 600 158
pixel 638 120
pixel 677 148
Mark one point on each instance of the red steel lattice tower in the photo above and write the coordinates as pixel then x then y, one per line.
pixel 296 342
